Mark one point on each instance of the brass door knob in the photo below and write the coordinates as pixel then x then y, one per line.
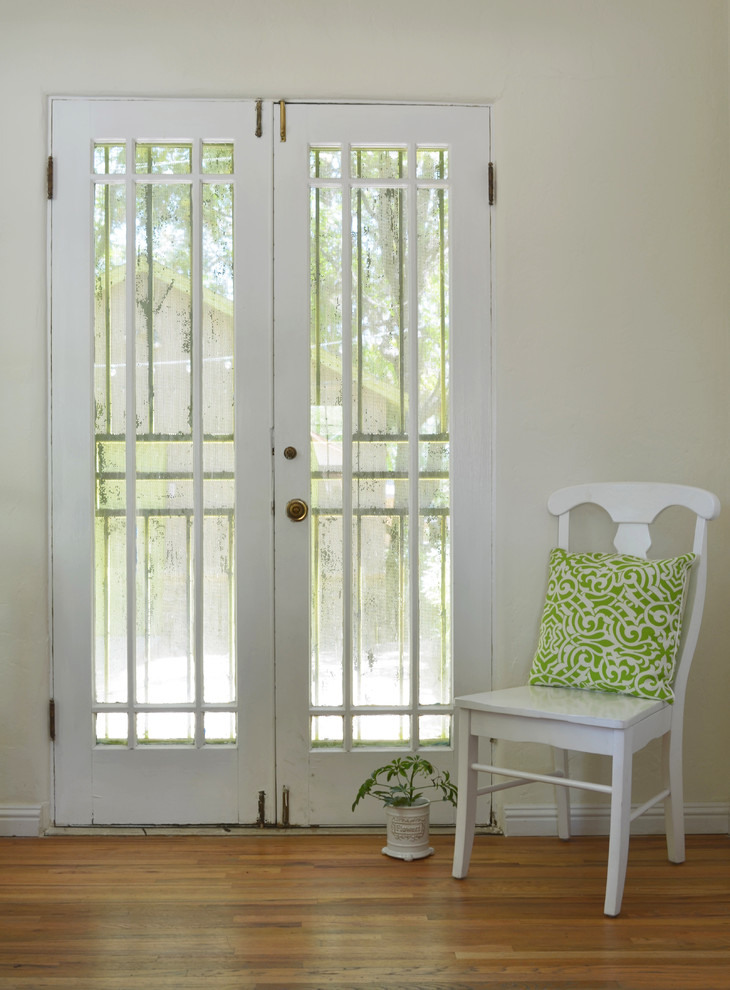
pixel 297 509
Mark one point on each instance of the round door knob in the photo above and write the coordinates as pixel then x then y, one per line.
pixel 297 509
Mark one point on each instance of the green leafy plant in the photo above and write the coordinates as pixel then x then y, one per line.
pixel 403 781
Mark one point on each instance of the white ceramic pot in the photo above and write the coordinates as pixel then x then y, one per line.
pixel 407 831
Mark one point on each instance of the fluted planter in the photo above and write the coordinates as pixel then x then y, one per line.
pixel 407 830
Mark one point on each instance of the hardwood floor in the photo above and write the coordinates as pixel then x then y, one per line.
pixel 276 912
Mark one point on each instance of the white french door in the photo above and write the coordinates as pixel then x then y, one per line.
pixel 161 399
pixel 382 291
pixel 270 520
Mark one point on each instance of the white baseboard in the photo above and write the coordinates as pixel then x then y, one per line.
pixel 529 819
pixel 26 820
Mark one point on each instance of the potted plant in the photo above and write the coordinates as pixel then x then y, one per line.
pixel 400 785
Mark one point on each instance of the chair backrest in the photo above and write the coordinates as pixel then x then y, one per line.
pixel 634 506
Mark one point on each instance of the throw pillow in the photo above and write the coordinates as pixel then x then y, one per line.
pixel 612 622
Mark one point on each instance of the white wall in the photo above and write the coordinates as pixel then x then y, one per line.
pixel 611 333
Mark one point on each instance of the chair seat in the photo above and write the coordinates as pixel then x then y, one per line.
pixel 612 711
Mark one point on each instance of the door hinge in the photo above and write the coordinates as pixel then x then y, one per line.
pixel 259 113
pixel 49 177
pixel 285 806
pixel 52 719
pixel 491 184
pixel 282 120
pixel 261 820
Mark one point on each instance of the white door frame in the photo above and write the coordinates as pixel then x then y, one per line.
pixel 471 508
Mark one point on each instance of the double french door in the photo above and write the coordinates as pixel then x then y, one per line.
pixel 269 443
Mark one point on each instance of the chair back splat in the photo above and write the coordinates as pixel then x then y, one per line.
pixel 617 639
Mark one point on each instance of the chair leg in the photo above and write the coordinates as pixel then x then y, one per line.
pixel 562 794
pixel 674 804
pixel 620 827
pixel 466 809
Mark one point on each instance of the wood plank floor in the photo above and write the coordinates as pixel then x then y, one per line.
pixel 277 912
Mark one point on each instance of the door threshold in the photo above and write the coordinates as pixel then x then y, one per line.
pixel 238 830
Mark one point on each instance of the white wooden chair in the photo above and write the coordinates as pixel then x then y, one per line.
pixel 616 725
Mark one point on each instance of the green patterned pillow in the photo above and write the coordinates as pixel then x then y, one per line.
pixel 612 622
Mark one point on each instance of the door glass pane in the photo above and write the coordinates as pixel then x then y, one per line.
pixel 166 728
pixel 165 667
pixel 110 395
pixel 164 455
pixel 110 534
pixel 325 163
pixel 165 634
pixel 220 727
pixel 393 731
pixel 327 620
pixel 381 667
pixel 218 159
pixel 380 469
pixel 432 163
pixel 434 730
pixel 327 732
pixel 164 159
pixel 433 416
pixel 111 729
pixel 378 163
pixel 380 445
pixel 218 415
pixel 110 159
